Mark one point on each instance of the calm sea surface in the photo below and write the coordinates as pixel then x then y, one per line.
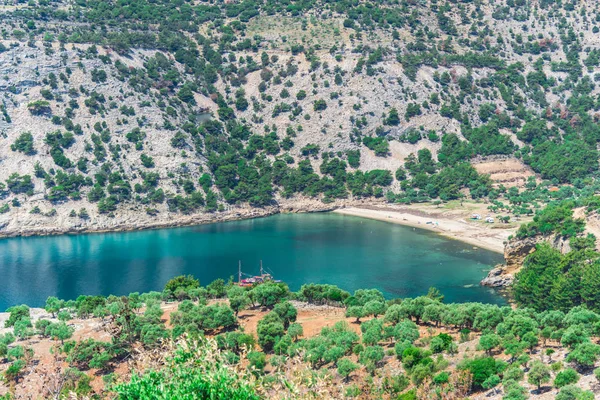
pixel 350 252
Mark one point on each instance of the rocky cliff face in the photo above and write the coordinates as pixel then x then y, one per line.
pixel 515 252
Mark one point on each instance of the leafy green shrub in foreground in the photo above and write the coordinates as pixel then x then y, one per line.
pixel 197 371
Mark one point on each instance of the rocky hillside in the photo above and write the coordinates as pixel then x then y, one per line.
pixel 122 115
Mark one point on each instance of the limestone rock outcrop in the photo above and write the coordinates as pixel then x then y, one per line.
pixel 515 252
pixel 498 277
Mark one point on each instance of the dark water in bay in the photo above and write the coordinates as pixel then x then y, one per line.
pixel 350 252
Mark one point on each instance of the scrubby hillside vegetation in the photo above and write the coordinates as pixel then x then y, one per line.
pixel 223 341
pixel 124 114
pixel 127 114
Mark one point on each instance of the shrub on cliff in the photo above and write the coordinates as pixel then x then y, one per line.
pixel 24 144
pixel 39 107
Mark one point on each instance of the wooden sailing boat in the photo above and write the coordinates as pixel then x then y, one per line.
pixel 256 279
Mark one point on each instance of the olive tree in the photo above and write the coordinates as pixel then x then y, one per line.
pixel 538 374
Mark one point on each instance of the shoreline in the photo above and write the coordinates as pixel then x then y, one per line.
pixel 181 222
pixel 449 224
pixel 473 233
pixel 143 222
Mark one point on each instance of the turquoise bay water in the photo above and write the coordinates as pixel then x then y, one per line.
pixel 350 252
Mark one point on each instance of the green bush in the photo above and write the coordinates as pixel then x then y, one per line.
pixel 483 368
pixel 24 144
pixel 270 330
pixel 566 377
pixel 258 360
pixel 196 372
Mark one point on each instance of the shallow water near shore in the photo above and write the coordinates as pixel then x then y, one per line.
pixel 347 251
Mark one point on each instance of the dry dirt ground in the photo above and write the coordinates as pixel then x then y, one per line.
pixel 508 172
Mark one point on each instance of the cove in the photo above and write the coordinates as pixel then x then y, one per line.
pixel 347 251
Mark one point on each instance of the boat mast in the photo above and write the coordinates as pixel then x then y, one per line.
pixel 261 268
pixel 239 271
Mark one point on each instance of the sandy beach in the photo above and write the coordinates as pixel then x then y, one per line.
pixel 454 223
